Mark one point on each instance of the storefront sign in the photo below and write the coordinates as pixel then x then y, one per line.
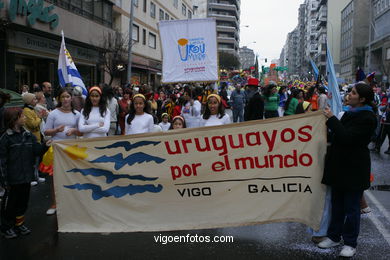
pixel 37 43
pixel 33 9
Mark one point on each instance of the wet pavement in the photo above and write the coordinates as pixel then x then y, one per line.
pixel 268 241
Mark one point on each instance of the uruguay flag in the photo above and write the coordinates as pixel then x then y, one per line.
pixel 333 86
pixel 67 71
pixel 315 69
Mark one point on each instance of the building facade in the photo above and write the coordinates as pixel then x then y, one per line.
pixel 146 48
pixel 354 38
pixel 247 58
pixel 227 15
pixel 30 39
pixel 378 48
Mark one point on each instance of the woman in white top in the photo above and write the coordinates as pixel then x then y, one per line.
pixel 191 110
pixel 165 125
pixel 139 120
pixel 61 124
pixel 214 113
pixel 95 116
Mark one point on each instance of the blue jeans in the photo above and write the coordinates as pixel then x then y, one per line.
pixel 238 114
pixel 345 220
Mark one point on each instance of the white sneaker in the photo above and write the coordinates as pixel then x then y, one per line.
pixel 348 251
pixel 51 211
pixel 328 243
pixel 40 180
pixel 34 183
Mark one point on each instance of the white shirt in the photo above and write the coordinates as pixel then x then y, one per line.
pixel 113 106
pixel 165 126
pixel 191 114
pixel 57 118
pixel 215 120
pixel 140 124
pixel 91 126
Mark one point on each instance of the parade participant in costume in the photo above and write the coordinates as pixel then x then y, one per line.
pixel 139 120
pixel 95 116
pixel 312 97
pixel 348 167
pixel 61 124
pixel 271 101
pixel 178 122
pixel 237 102
pixel 18 151
pixel 214 113
pixel 124 107
pixel 165 125
pixel 254 108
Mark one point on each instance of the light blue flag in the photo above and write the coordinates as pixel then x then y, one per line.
pixel 333 87
pixel 67 71
pixel 315 69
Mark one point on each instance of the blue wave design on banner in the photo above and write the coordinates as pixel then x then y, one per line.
pixel 134 158
pixel 127 145
pixel 116 191
pixel 110 177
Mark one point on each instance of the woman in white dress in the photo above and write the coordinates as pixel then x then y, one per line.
pixel 191 110
pixel 95 116
pixel 214 113
pixel 139 120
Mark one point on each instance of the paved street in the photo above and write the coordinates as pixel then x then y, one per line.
pixel 270 241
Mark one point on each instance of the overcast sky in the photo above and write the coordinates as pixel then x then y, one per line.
pixel 269 22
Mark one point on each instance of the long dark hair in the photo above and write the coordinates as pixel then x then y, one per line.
pixel 268 89
pixel 281 90
pixel 207 112
pixel 366 92
pixel 294 94
pixel 62 91
pixel 310 92
pixel 88 105
pixel 147 109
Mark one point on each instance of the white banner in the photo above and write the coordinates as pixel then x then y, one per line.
pixel 189 50
pixel 238 174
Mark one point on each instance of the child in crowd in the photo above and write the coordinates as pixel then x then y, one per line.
pixel 18 151
pixel 214 112
pixel 139 120
pixel 178 122
pixel 165 125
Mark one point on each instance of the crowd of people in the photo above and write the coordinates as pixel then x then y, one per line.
pixel 28 132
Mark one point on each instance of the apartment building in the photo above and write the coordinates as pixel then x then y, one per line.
pixel 247 57
pixel 146 48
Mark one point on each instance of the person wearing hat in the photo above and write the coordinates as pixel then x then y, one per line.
pixel 33 121
pixel 254 109
pixel 214 113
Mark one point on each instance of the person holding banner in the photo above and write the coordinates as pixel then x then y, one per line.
pixel 139 120
pixel 95 117
pixel 214 113
pixel 61 124
pixel 348 166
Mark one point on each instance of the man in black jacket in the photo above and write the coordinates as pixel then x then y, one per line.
pixel 254 108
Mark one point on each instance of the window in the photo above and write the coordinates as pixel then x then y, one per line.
pixel 98 8
pixel 189 14
pixel 145 6
pixel 184 9
pixel 161 16
pixel 135 35
pixel 152 10
pixel 107 14
pixel 88 7
pixel 176 3
pixel 143 36
pixel 152 40
pixel 167 16
pixel 388 54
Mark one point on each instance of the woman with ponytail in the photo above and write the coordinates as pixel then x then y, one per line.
pixel 348 167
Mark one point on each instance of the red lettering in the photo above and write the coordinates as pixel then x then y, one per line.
pixel 240 142
pixel 176 172
pixel 184 144
pixel 257 140
pixel 207 145
pixel 280 157
pixel 309 158
pixel 306 136
pixel 168 147
pixel 218 167
pixel 222 147
pixel 294 159
pixel 270 142
pixel 283 135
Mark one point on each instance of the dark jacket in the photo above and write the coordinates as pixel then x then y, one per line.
pixel 18 152
pixel 348 163
pixel 254 110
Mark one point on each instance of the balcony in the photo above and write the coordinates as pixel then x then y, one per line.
pixel 222 28
pixel 224 6
pixel 224 17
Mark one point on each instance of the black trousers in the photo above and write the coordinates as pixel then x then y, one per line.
pixel 14 204
pixel 345 220
pixel 271 114
pixel 384 131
